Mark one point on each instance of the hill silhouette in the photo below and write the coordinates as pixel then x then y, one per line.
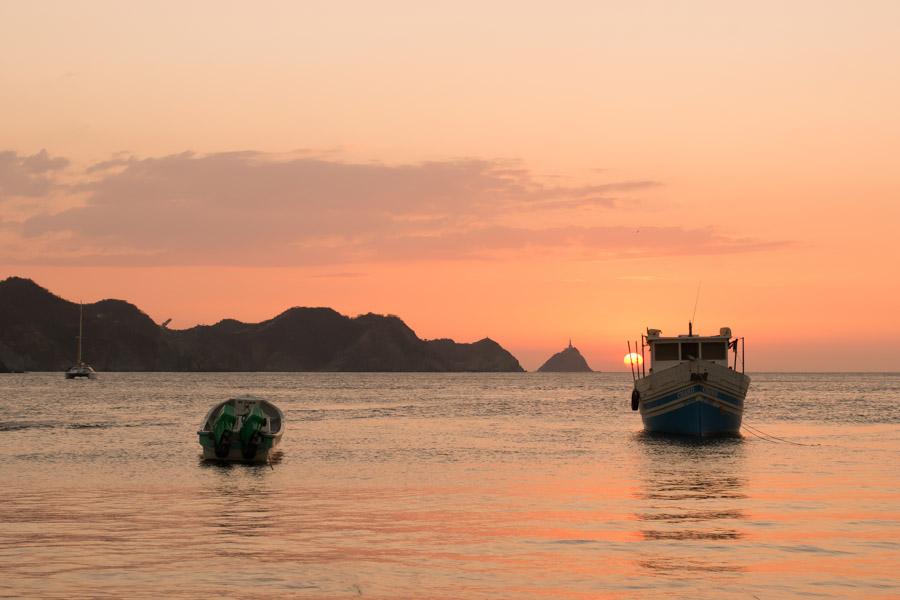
pixel 568 360
pixel 38 331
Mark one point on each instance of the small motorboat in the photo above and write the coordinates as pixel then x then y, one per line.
pixel 690 389
pixel 242 429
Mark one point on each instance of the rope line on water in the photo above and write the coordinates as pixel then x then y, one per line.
pixel 751 432
pixel 771 438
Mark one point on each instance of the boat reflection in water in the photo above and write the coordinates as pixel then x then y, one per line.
pixel 239 503
pixel 692 500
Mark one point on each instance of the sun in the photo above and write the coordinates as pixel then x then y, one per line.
pixel 634 359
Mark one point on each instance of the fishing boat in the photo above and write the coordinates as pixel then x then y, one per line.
pixel 690 387
pixel 80 370
pixel 242 429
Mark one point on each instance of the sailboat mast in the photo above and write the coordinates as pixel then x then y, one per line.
pixel 80 327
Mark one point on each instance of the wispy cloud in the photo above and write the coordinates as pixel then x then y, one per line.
pixel 250 208
pixel 28 175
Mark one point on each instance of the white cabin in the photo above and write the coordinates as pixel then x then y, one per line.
pixel 668 352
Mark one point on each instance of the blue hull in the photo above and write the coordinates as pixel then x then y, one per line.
pixel 698 410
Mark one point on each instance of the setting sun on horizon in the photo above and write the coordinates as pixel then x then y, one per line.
pixel 633 358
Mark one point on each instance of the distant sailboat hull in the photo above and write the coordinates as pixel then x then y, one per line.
pixel 696 398
pixel 81 372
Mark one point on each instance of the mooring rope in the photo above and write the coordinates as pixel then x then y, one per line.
pixel 754 434
pixel 771 438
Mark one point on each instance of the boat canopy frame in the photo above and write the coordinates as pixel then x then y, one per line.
pixel 652 337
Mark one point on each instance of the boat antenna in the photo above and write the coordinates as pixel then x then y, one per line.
pixel 696 300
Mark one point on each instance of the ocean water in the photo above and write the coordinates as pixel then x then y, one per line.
pixel 446 486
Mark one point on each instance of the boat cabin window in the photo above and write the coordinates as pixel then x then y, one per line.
pixel 690 350
pixel 714 351
pixel 673 351
pixel 663 351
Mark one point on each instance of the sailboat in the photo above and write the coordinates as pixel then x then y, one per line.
pixel 80 369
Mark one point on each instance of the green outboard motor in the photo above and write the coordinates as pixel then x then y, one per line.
pixel 221 430
pixel 250 432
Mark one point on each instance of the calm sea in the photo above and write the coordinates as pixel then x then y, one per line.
pixel 446 486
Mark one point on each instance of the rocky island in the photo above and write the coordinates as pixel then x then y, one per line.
pixel 568 360
pixel 38 331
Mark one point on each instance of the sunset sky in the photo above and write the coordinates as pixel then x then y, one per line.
pixel 529 172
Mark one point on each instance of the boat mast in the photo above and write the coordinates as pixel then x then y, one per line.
pixel 80 327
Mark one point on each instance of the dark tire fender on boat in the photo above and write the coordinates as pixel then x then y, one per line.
pixel 249 450
pixel 224 445
pixel 635 399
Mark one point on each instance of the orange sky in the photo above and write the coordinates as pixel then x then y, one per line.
pixel 530 174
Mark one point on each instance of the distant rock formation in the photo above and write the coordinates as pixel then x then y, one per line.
pixel 569 360
pixel 38 331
